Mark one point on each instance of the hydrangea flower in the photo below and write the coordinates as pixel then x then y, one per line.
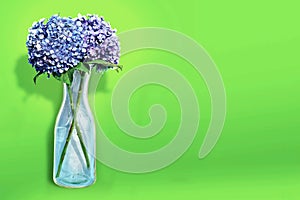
pixel 95 29
pixel 56 46
pixel 62 43
pixel 100 39
pixel 108 51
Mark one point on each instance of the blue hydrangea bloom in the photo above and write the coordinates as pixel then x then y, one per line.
pixel 56 46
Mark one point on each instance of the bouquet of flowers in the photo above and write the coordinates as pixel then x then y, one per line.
pixel 63 45
pixel 68 49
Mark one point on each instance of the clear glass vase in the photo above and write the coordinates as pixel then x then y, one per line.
pixel 74 141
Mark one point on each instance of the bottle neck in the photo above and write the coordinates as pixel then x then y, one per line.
pixel 78 88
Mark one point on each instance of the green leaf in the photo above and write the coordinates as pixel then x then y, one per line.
pixel 98 61
pixel 83 67
pixel 70 74
pixel 56 76
pixel 65 78
pixel 36 76
pixel 106 65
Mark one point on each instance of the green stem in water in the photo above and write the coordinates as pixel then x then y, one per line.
pixel 63 153
pixel 74 125
pixel 79 134
pixel 85 153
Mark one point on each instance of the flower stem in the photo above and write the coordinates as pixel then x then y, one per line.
pixel 74 125
pixel 86 156
pixel 79 134
pixel 63 153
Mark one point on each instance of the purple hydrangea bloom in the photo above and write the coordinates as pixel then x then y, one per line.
pixel 99 39
pixel 95 29
pixel 56 46
pixel 108 50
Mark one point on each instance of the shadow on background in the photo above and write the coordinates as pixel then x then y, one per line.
pixel 49 89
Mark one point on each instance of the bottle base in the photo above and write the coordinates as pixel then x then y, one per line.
pixel 74 181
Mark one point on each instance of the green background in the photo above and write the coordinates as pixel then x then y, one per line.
pixel 255 45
